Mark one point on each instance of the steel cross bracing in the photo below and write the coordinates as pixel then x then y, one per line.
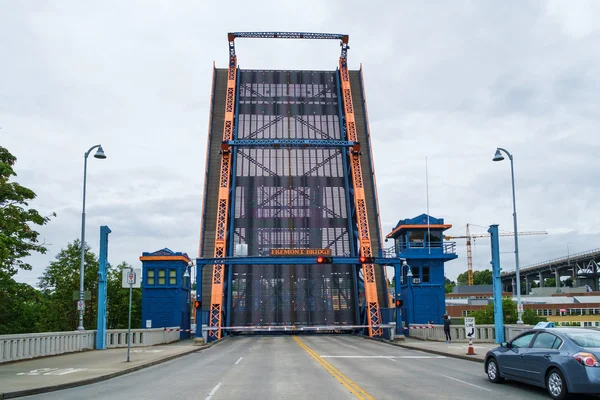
pixel 216 300
pixel 290 143
pixel 271 173
pixel 279 118
pixel 360 204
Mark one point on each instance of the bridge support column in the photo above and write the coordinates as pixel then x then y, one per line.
pixel 498 313
pixel 557 278
pixel 526 284
pixel 541 279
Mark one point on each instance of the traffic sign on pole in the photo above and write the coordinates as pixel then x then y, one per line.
pixel 470 333
pixel 80 305
pixel 470 327
pixel 131 277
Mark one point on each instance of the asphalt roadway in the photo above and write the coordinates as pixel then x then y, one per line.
pixel 305 367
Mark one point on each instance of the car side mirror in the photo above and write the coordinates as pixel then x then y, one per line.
pixel 505 344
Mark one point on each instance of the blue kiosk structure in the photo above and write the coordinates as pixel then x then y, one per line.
pixel 166 293
pixel 419 243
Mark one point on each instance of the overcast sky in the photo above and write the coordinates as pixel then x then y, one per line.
pixel 446 80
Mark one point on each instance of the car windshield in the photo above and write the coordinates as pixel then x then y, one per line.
pixel 585 338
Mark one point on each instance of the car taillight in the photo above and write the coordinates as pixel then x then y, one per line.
pixel 587 359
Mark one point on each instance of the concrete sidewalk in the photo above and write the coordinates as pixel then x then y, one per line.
pixel 40 375
pixel 457 350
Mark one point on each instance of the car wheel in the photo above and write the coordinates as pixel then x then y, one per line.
pixel 493 372
pixel 556 384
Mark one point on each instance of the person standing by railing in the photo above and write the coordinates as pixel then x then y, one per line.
pixel 447 328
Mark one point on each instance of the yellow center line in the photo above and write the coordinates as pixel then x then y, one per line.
pixel 343 379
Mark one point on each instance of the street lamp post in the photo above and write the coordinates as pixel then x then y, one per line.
pixel 99 154
pixel 399 280
pixel 188 272
pixel 499 157
pixel 191 264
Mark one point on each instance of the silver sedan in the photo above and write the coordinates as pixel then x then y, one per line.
pixel 563 360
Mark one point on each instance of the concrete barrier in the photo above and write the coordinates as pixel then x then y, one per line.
pixel 32 345
pixel 483 333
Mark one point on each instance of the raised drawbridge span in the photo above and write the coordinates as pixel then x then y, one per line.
pixel 290 224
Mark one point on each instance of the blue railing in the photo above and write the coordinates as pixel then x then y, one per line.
pixel 446 247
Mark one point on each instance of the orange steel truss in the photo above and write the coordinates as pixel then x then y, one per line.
pixel 361 207
pixel 216 296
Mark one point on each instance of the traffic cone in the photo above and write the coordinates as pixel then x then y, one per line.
pixel 471 350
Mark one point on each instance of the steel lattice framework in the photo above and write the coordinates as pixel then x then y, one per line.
pixel 289 153
pixel 216 303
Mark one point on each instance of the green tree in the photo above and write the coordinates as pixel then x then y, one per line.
pixel 486 315
pixel 19 302
pixel 509 310
pixel 17 237
pixel 479 278
pixel 550 282
pixel 568 282
pixel 21 308
pixel 530 317
pixel 449 285
pixel 117 315
pixel 483 277
pixel 60 280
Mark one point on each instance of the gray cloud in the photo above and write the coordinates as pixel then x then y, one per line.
pixel 449 82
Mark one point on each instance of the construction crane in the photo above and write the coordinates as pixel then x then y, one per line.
pixel 468 236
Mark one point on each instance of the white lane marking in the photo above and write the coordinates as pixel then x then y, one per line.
pixel 322 356
pixel 346 344
pixel 466 383
pixel 238 361
pixel 212 392
pixel 420 357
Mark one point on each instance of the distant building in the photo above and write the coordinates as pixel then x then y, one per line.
pixel 473 289
pixel 572 307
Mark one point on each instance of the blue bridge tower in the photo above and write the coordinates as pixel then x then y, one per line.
pixel 420 242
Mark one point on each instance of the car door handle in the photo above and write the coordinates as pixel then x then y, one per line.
pixel 548 356
pixel 521 355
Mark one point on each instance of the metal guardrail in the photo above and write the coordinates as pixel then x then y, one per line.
pixel 571 257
